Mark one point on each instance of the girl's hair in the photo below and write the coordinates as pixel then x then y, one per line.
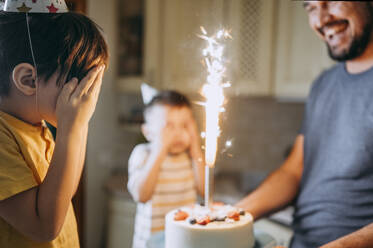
pixel 69 43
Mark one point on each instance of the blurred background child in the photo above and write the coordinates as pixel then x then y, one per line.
pixel 167 172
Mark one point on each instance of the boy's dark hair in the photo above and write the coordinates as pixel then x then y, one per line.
pixel 69 43
pixel 169 98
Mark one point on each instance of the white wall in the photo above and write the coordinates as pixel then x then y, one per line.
pixel 102 133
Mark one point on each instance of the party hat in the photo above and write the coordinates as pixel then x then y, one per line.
pixel 35 6
pixel 148 93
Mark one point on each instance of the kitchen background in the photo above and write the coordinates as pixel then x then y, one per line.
pixel 274 57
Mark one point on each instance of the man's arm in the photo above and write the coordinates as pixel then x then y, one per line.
pixel 280 188
pixel 362 238
pixel 40 212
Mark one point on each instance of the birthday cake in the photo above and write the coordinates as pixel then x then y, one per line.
pixel 221 226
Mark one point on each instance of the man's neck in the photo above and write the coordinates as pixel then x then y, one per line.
pixel 362 63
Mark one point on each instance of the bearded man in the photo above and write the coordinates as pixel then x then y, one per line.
pixel 329 174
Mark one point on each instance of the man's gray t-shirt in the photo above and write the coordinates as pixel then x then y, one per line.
pixel 336 192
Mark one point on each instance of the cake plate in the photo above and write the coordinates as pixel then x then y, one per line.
pixel 262 240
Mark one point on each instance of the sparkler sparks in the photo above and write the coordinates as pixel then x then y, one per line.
pixel 228 144
pixel 213 90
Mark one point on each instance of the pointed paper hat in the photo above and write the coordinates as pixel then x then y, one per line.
pixel 148 93
pixel 35 6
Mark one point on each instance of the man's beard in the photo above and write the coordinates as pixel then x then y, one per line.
pixel 357 47
pixel 358 44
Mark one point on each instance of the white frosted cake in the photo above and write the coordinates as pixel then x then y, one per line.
pixel 221 226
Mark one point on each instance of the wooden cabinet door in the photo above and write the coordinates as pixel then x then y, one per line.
pixel 301 56
pixel 173 50
pixel 251 52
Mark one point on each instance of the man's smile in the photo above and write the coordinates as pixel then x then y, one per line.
pixel 335 32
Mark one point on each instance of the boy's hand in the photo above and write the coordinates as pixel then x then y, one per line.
pixel 166 138
pixel 76 102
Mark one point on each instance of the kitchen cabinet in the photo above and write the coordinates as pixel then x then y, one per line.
pixel 121 222
pixel 273 52
pixel 121 213
pixel 172 50
pixel 252 49
pixel 300 55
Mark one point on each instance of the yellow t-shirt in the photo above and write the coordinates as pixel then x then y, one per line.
pixel 25 155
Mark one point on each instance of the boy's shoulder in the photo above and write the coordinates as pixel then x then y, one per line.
pixel 7 132
pixel 21 133
pixel 139 154
pixel 141 148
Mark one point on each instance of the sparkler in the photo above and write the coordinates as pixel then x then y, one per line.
pixel 213 91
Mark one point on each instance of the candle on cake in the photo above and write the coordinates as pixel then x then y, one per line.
pixel 213 91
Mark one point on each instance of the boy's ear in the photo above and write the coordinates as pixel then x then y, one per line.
pixel 23 77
